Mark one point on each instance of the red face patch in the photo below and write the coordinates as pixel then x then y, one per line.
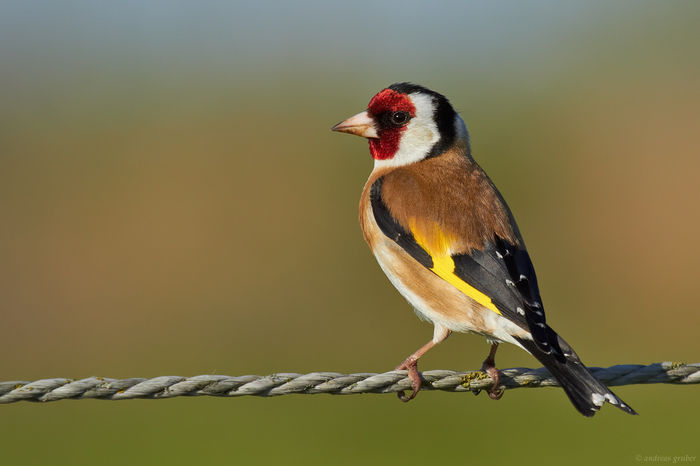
pixel 386 102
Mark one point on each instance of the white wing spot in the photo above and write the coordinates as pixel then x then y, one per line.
pixel 597 399
pixel 520 311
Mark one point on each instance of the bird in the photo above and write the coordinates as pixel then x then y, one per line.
pixel 446 239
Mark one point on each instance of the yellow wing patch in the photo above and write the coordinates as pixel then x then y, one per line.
pixel 437 244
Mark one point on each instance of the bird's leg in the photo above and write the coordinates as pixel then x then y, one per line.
pixel 489 366
pixel 411 363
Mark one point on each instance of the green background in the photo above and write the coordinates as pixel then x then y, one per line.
pixel 172 202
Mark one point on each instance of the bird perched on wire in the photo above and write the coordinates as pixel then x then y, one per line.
pixel 448 242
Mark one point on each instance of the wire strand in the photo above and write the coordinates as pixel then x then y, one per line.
pixel 325 382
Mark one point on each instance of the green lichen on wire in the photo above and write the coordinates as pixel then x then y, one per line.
pixel 325 382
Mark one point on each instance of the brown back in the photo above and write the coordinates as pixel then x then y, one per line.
pixel 449 202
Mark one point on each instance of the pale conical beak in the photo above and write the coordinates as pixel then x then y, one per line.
pixel 360 125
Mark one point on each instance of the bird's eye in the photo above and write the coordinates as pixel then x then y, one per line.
pixel 400 118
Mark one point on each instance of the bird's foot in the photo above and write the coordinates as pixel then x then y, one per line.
pixel 410 365
pixel 495 392
pixel 489 367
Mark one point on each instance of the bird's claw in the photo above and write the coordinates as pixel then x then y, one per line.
pixel 410 365
pixel 495 392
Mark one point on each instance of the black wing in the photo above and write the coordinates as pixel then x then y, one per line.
pixel 505 273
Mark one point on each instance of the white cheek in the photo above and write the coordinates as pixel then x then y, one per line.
pixel 417 140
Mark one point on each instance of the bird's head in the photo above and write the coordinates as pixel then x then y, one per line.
pixel 406 123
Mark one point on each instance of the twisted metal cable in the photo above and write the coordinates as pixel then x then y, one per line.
pixel 326 382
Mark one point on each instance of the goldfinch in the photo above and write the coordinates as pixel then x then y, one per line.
pixel 446 239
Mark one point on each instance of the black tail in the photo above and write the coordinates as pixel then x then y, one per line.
pixel 585 391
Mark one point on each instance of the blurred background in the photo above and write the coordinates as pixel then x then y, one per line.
pixel 172 202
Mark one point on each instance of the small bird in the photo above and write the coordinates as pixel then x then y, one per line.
pixel 445 238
